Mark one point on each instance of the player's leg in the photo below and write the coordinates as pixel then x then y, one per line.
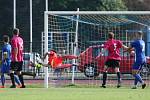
pixel 116 65
pixel 19 73
pixel 17 80
pixel 12 79
pixel 2 80
pixel 12 69
pixel 136 74
pixel 104 76
pixel 137 78
pixel 4 70
pixel 118 76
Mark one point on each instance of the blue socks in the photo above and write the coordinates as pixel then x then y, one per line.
pixel 138 78
pixel 17 80
pixel 3 79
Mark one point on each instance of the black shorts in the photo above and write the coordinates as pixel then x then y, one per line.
pixel 112 63
pixel 16 66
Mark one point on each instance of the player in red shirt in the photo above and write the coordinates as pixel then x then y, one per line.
pixel 56 61
pixel 16 58
pixel 113 60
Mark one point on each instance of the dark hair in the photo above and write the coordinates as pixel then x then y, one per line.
pixel 6 38
pixel 53 50
pixel 140 33
pixel 110 35
pixel 16 31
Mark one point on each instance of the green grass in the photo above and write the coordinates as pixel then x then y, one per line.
pixel 75 93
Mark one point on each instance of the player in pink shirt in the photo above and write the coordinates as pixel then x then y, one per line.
pixel 16 57
pixel 113 60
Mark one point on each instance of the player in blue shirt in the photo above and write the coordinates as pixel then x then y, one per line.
pixel 139 46
pixel 6 54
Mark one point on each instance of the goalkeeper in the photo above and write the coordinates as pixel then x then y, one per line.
pixel 56 61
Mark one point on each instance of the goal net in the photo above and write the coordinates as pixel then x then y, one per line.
pixel 74 32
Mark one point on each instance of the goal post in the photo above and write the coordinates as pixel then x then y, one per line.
pixel 46 49
pixel 86 28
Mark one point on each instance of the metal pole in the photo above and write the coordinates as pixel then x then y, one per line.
pixel 42 45
pixel 30 25
pixel 76 46
pixel 148 42
pixel 46 48
pixel 14 20
pixel 46 5
pixel 46 44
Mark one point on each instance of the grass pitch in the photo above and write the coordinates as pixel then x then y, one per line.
pixel 75 93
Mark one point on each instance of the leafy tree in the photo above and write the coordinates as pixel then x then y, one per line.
pixel 97 5
pixel 23 11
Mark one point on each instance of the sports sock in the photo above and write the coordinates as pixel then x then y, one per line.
pixel 135 81
pixel 12 78
pixel 21 79
pixel 3 79
pixel 104 78
pixel 17 80
pixel 138 78
pixel 119 77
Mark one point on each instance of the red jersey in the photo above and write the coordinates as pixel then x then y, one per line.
pixel 17 42
pixel 54 60
pixel 113 46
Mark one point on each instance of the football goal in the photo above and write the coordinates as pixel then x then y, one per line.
pixel 73 32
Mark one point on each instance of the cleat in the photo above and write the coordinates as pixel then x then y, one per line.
pixel 134 87
pixel 119 85
pixel 19 86
pixel 23 86
pixel 143 86
pixel 13 86
pixel 103 86
pixel 2 86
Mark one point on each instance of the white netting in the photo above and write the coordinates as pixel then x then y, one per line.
pixel 92 30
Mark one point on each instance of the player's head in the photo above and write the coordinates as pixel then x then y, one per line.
pixel 6 38
pixel 16 31
pixel 52 52
pixel 110 35
pixel 139 34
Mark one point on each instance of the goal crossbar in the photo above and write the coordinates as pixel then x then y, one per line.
pixel 98 12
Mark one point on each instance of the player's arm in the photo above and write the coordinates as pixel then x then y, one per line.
pixel 45 55
pixel 127 49
pixel 15 53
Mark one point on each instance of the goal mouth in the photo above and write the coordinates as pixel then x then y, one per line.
pixel 76 31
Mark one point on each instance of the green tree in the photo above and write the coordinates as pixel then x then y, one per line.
pixel 23 21
pixel 97 5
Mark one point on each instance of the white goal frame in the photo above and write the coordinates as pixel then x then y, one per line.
pixel 46 13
